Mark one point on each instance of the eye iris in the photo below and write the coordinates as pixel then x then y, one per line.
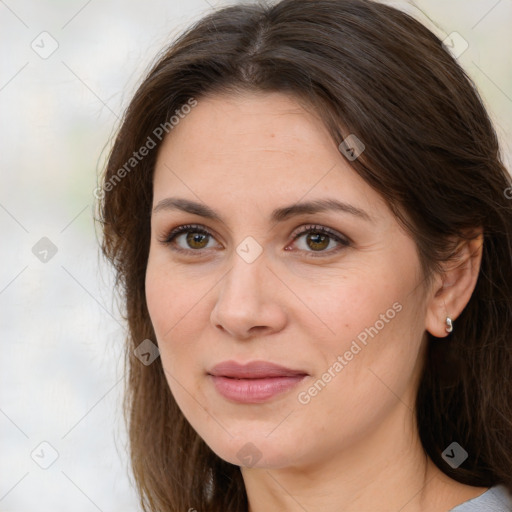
pixel 319 240
pixel 197 238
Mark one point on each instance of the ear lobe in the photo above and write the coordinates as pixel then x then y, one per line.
pixel 454 285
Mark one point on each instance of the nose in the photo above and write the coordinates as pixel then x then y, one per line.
pixel 248 302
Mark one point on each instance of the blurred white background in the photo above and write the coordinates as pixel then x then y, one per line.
pixel 61 364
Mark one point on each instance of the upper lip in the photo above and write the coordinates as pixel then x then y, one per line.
pixel 253 370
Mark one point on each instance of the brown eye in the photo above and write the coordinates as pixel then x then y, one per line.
pixel 197 240
pixel 320 240
pixel 317 241
pixel 189 239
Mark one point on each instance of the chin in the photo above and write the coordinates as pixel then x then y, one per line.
pixel 255 451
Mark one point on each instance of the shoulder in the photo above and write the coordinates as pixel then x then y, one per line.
pixel 495 499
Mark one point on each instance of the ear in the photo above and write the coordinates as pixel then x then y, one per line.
pixel 452 288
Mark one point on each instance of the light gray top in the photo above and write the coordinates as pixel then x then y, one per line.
pixel 495 499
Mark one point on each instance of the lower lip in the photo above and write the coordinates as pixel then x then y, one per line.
pixel 253 391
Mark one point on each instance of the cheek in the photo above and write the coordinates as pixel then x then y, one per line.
pixel 352 302
pixel 170 297
pixel 380 361
pixel 170 302
pixel 178 308
pixel 368 369
pixel 159 299
pixel 375 334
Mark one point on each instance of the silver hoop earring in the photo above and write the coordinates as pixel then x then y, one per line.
pixel 449 324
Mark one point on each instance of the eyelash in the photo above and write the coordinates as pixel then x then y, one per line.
pixel 311 228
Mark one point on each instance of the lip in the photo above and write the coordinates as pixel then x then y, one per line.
pixel 253 370
pixel 254 382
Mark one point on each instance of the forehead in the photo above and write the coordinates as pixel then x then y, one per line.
pixel 257 148
pixel 234 126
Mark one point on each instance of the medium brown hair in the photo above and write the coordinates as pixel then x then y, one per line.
pixel 431 152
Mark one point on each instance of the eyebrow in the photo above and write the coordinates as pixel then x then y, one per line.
pixel 278 215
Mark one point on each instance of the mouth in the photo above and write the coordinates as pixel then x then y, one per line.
pixel 255 382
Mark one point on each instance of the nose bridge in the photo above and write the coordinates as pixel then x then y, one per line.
pixel 245 299
pixel 245 276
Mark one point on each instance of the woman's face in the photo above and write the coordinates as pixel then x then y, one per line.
pixel 343 311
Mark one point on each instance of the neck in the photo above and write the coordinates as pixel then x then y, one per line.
pixel 385 471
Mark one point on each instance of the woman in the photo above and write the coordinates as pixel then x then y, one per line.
pixel 308 215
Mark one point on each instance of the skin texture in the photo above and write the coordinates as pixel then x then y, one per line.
pixel 356 438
